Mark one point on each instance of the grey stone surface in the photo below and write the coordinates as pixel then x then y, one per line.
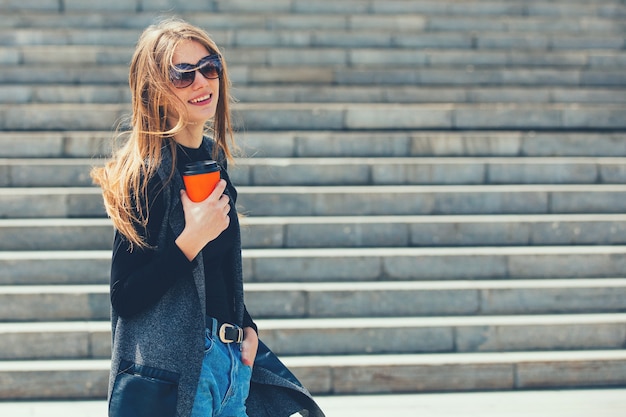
pixel 74 305
pixel 25 346
pixel 466 144
pixel 25 205
pixel 551 300
pixel 428 172
pixel 392 302
pixel 61 117
pixel 347 235
pixel 591 373
pixel 606 198
pixel 417 200
pixel 49 268
pixel 353 144
pixel 372 340
pixel 389 22
pixel 565 233
pixel 442 233
pixel 30 5
pixel 62 236
pixel 263 235
pixel 572 265
pixel 311 173
pixel 572 144
pixel 507 117
pixel 398 117
pixel 30 144
pixel 411 378
pixel 277 304
pixel 445 266
pixel 287 118
pixel 252 6
pixel 54 383
pixel 314 268
pixel 547 337
pixel 117 5
pixel 554 172
pixel 51 174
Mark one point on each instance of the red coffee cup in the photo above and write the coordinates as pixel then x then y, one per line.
pixel 200 179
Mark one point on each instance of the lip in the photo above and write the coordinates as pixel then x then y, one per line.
pixel 201 100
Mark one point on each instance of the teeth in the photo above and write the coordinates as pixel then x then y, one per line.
pixel 199 99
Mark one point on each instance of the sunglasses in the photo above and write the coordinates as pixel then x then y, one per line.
pixel 183 75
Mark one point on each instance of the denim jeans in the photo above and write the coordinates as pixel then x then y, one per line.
pixel 224 380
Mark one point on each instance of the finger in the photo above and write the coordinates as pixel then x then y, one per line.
pixel 218 190
pixel 245 358
pixel 226 204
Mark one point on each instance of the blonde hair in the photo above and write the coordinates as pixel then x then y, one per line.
pixel 124 178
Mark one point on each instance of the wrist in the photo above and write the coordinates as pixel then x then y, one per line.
pixel 187 246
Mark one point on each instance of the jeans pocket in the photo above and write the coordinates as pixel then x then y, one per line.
pixel 208 342
pixel 143 391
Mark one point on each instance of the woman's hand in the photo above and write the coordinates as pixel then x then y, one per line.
pixel 204 221
pixel 249 346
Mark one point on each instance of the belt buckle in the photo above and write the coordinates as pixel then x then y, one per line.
pixel 222 333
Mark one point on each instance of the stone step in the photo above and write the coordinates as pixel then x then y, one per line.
pixel 411 335
pixel 77 144
pixel 350 231
pixel 420 171
pixel 398 144
pixel 612 8
pixel 351 200
pixel 347 264
pixel 350 300
pixel 336 116
pixel 417 200
pixel 110 94
pixel 463 372
pixel 606 23
pixel 357 374
pixel 431 298
pixel 505 54
pixel 352 171
pixel 402 264
pixel 107 39
pixel 455 76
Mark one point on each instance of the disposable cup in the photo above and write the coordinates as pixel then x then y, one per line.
pixel 200 179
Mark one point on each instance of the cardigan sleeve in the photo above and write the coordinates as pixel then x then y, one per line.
pixel 141 276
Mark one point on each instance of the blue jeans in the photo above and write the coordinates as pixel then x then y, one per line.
pixel 224 380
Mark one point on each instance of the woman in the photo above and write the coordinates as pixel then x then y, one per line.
pixel 183 341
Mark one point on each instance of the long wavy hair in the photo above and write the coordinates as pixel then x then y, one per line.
pixel 124 177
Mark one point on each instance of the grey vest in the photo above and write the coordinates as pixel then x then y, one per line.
pixel 169 336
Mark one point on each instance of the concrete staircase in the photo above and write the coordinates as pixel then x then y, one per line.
pixel 435 190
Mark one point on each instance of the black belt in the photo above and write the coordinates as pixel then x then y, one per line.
pixel 227 333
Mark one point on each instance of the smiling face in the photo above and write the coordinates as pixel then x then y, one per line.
pixel 201 97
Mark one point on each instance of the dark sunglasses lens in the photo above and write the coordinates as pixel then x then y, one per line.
pixel 210 67
pixel 181 79
pixel 210 71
